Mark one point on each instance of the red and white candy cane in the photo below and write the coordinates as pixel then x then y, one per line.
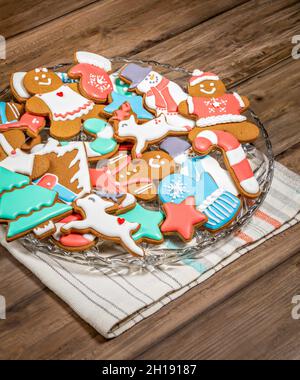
pixel 235 158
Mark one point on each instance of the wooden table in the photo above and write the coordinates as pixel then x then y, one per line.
pixel 244 311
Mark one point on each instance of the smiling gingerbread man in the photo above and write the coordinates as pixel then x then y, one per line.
pixel 213 108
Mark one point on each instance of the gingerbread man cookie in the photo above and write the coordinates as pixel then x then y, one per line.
pixel 213 108
pixel 47 95
pixel 138 177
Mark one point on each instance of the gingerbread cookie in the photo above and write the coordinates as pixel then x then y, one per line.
pixel 182 219
pixel 92 70
pixel 98 220
pixel 68 172
pixel 24 206
pixel 74 241
pixel 153 131
pixel 10 112
pixel 9 142
pixel 234 158
pixel 149 221
pixel 61 103
pixel 161 95
pixel 104 145
pixel 15 160
pixel 120 95
pixel 213 108
pixel 138 177
pixel 31 124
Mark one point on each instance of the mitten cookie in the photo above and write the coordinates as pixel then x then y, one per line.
pixel 92 70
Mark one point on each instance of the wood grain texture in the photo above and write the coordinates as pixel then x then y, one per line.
pixel 237 44
pixel 247 44
pixel 256 323
pixel 109 27
pixel 18 17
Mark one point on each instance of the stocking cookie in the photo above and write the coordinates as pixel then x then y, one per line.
pixel 97 219
pixel 213 108
pixel 92 70
pixel 48 96
pixel 153 131
pixel 234 158
pixel 161 95
pixel 25 207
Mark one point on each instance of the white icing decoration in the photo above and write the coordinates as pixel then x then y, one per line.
pixel 104 224
pixel 20 163
pixel 18 86
pixel 150 131
pixel 210 135
pixel 40 231
pixel 128 200
pixel 93 59
pixel 250 185
pixel 220 119
pixel 70 106
pixel 14 110
pixel 239 99
pixel 209 92
pixel 235 156
pixel 82 175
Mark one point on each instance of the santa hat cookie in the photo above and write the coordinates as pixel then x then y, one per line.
pixel 199 76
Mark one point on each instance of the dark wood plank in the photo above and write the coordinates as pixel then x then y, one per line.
pixel 256 323
pixel 274 95
pixel 237 44
pixel 110 27
pixel 28 14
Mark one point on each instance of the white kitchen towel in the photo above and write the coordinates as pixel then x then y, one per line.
pixel 112 301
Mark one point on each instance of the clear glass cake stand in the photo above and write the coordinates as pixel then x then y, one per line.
pixel 107 254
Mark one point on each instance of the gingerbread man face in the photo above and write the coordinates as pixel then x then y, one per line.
pixel 41 81
pixel 207 88
pixel 138 177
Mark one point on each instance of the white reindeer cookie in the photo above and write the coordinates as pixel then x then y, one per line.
pixel 151 132
pixel 99 221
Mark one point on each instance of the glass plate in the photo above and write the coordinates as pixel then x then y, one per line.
pixel 107 254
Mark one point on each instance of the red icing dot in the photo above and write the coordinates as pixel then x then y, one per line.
pixel 121 220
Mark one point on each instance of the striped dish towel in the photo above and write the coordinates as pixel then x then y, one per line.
pixel 112 302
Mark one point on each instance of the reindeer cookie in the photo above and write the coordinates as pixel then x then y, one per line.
pixel 46 95
pixel 153 131
pixel 213 108
pixel 98 220
pixel 138 177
